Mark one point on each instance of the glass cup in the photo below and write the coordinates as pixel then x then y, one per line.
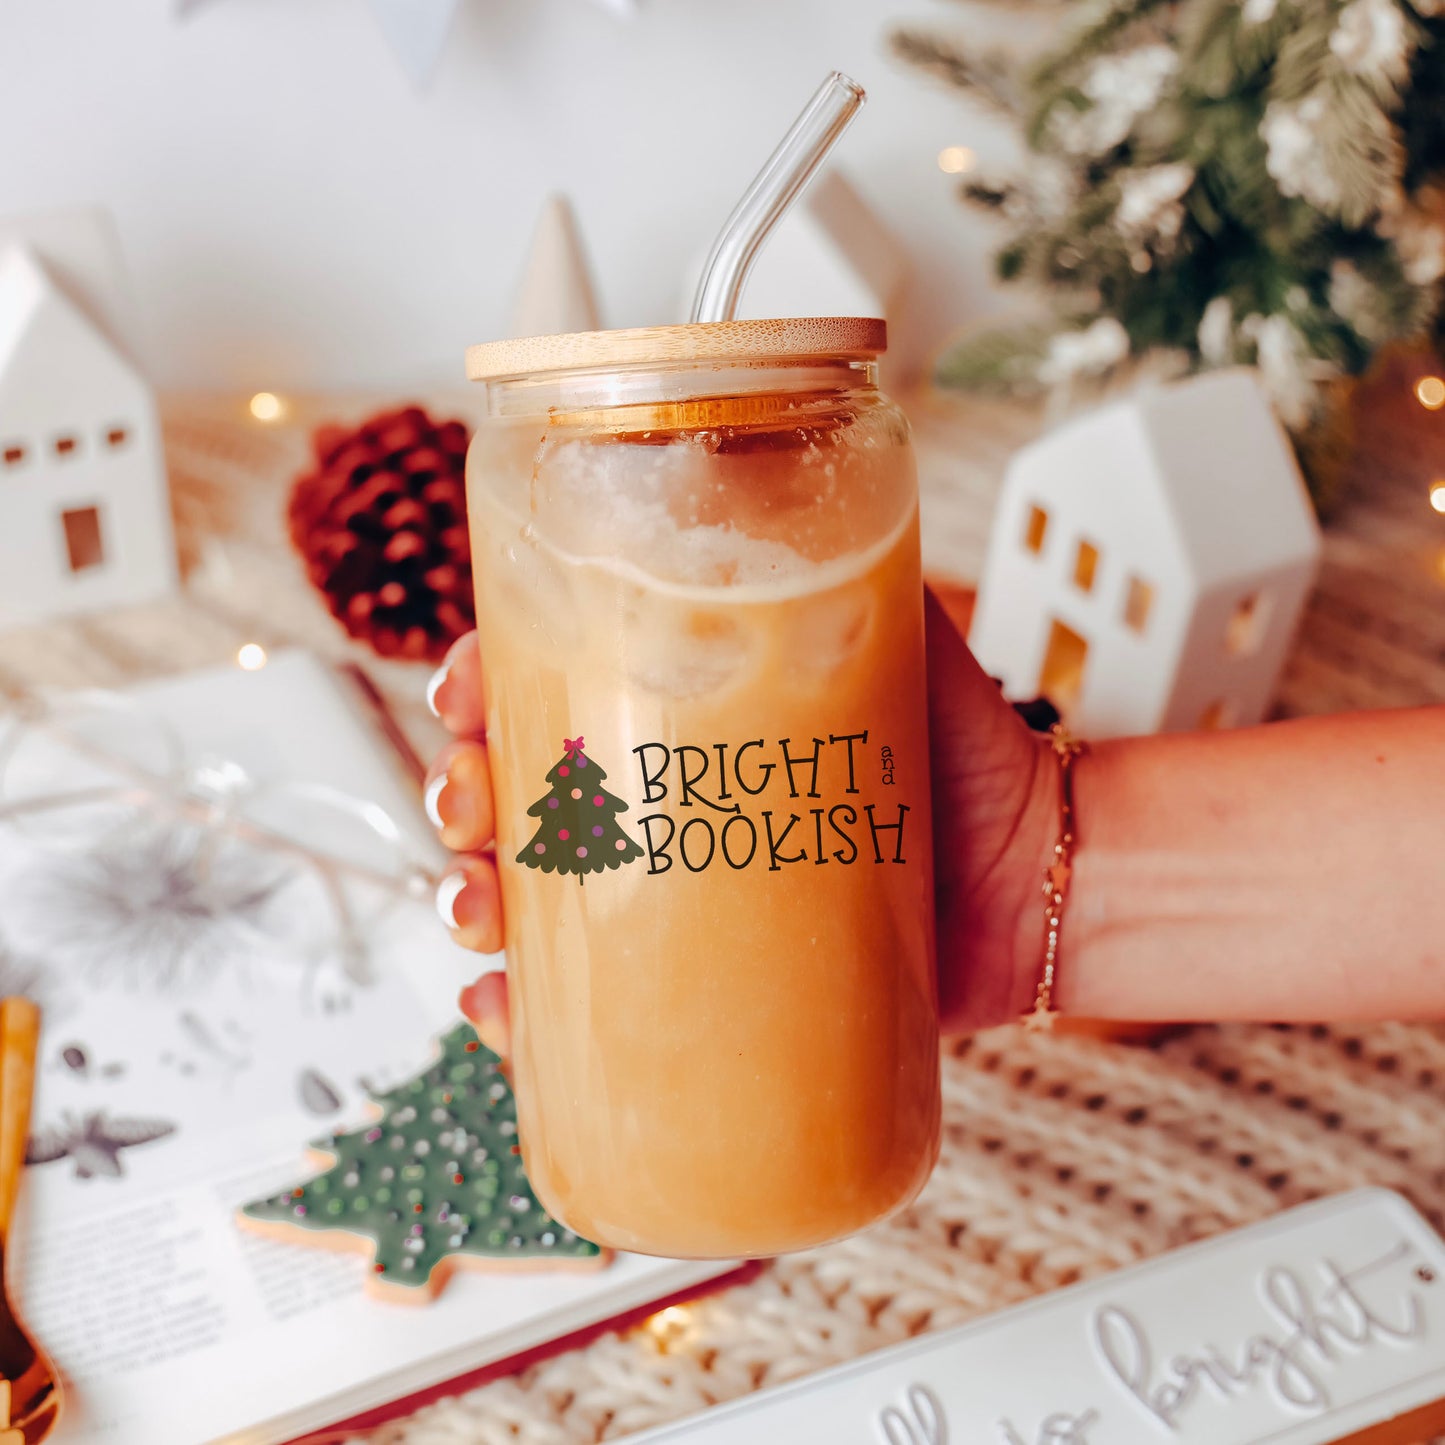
pixel 700 609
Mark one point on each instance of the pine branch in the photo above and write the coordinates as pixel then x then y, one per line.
pixel 1233 187
pixel 1002 199
pixel 1305 63
pixel 989 194
pixel 1079 247
pixel 1001 361
pixel 1223 53
pixel 1318 192
pixel 1091 41
pixel 1362 149
pixel 987 78
pixel 1399 310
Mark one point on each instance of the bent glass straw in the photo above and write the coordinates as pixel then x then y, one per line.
pixel 780 182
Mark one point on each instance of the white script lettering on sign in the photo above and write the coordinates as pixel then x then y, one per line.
pixel 1323 1324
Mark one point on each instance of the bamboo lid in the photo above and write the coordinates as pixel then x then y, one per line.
pixel 847 338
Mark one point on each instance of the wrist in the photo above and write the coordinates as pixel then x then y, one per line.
pixel 1039 835
pixel 990 903
pixel 1045 872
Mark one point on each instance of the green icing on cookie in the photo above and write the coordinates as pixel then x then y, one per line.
pixel 439 1175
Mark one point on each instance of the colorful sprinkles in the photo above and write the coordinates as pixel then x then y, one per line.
pixel 460 1108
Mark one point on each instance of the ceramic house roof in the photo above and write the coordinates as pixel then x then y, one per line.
pixel 31 300
pixel 1206 457
pixel 24 288
pixel 79 249
pixel 1229 475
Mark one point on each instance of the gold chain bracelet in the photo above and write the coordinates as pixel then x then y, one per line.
pixel 1056 877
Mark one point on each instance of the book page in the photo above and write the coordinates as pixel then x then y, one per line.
pixel 205 1018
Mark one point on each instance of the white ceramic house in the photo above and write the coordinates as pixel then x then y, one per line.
pixel 1149 561
pixel 84 515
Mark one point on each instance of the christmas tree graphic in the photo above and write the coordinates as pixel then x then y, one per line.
pixel 436 1182
pixel 577 829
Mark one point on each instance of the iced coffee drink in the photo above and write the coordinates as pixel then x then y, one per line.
pixel 698 593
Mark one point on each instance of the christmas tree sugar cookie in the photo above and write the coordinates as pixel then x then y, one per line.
pixel 434 1184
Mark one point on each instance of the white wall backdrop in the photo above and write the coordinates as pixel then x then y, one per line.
pixel 297 216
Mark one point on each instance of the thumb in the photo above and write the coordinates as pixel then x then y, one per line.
pixel 988 821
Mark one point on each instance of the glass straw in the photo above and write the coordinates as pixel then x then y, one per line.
pixel 780 182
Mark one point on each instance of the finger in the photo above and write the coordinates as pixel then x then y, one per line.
pixel 458 797
pixel 485 1004
pixel 469 900
pixel 454 693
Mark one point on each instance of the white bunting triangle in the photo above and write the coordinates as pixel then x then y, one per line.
pixel 417 31
pixel 555 295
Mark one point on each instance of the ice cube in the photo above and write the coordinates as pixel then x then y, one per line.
pixel 829 630
pixel 686 654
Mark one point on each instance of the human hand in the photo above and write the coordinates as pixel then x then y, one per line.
pixel 458 800
pixel 995 808
pixel 995 821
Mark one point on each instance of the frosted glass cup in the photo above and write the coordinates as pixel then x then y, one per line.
pixel 700 608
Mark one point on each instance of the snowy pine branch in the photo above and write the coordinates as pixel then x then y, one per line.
pixel 1217 181
pixel 984 77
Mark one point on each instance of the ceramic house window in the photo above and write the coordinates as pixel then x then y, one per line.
pixel 1061 678
pixel 1217 715
pixel 12 454
pixel 84 545
pixel 67 445
pixel 117 436
pixel 1086 564
pixel 1246 627
pixel 1138 604
pixel 1036 529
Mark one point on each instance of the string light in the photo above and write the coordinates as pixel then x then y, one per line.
pixel 1437 494
pixel 267 406
pixel 669 1326
pixel 251 657
pixel 955 160
pixel 1430 393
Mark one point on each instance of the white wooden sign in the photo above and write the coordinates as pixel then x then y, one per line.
pixel 1319 1325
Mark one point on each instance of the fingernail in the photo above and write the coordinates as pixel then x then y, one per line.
pixel 431 800
pixel 434 686
pixel 448 891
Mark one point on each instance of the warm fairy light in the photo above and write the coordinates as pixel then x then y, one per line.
pixel 668 1326
pixel 1437 495
pixel 955 160
pixel 1430 393
pixel 266 406
pixel 251 657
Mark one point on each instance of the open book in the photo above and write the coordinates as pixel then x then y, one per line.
pixel 197 1036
